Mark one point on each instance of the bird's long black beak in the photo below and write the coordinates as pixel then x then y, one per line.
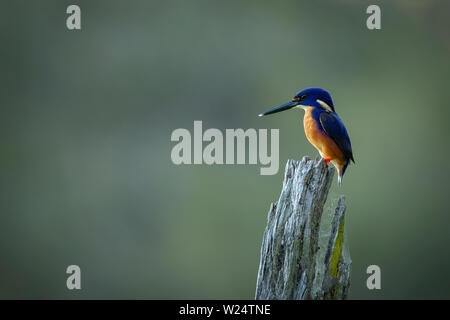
pixel 283 107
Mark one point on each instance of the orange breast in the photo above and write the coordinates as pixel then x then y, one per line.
pixel 327 148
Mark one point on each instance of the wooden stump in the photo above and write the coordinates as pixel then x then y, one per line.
pixel 291 264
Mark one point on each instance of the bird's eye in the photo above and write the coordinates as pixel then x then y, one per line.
pixel 299 98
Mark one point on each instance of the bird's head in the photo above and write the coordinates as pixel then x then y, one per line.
pixel 311 97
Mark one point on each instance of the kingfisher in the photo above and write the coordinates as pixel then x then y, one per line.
pixel 323 127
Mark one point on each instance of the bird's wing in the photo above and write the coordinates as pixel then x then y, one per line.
pixel 335 129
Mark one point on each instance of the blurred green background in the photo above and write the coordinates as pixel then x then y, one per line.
pixel 86 119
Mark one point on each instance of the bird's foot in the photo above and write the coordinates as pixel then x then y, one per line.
pixel 326 161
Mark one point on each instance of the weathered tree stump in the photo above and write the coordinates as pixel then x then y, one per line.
pixel 292 266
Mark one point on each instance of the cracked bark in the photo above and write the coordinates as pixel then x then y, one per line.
pixel 291 264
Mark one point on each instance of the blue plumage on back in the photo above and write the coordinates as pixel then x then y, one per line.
pixel 335 129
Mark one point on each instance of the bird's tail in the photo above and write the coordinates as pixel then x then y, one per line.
pixel 341 172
